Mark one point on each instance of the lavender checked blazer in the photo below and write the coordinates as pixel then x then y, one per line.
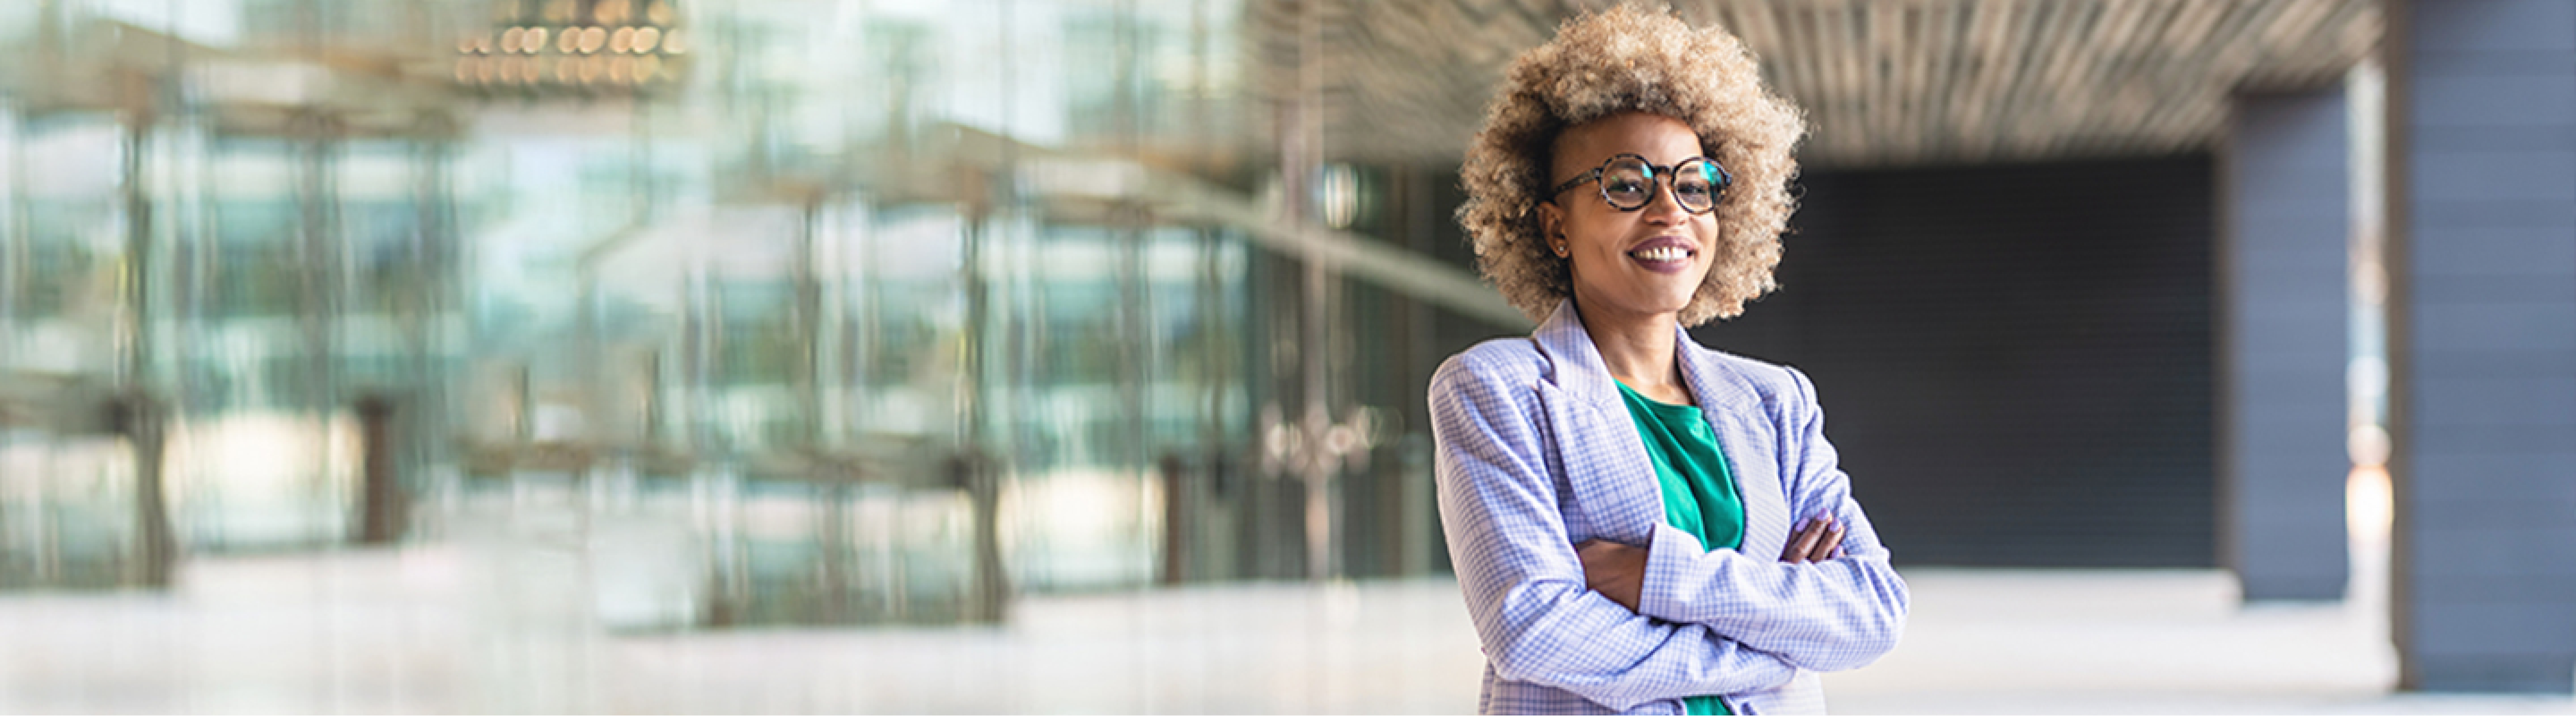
pixel 1536 453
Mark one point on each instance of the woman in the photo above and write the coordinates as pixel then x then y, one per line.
pixel 1611 490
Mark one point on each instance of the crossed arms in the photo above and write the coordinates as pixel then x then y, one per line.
pixel 1669 619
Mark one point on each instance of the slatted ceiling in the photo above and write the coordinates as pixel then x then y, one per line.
pixel 1884 82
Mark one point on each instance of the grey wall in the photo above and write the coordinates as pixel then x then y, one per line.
pixel 2284 310
pixel 2483 342
pixel 2014 360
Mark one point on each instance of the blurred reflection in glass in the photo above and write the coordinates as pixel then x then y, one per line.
pixel 686 314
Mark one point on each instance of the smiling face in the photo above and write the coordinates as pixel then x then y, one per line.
pixel 1628 265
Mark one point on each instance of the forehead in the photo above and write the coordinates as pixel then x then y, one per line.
pixel 1660 139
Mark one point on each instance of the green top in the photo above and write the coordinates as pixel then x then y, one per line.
pixel 1699 492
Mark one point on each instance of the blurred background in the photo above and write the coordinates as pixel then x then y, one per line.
pixel 1070 355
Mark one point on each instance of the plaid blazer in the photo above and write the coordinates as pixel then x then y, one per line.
pixel 1537 453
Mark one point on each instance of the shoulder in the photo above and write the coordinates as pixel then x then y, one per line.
pixel 1491 364
pixel 1492 382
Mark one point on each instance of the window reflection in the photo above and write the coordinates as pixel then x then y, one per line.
pixel 782 312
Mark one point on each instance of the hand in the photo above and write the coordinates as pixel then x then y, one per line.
pixel 1615 570
pixel 1821 539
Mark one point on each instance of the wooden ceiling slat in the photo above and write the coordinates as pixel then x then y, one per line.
pixel 1882 81
pixel 1987 55
pixel 2032 108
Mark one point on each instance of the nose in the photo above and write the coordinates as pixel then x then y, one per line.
pixel 1662 206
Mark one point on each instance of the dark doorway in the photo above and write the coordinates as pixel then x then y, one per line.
pixel 2014 360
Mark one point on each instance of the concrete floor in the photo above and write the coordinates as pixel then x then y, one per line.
pixel 446 629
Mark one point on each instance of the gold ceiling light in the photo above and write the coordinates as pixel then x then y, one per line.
pixel 574 49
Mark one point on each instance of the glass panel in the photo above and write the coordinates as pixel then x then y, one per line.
pixel 844 308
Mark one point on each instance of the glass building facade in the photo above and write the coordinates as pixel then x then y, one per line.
pixel 780 311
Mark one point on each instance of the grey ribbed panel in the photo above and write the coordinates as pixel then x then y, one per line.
pixel 2284 311
pixel 2486 431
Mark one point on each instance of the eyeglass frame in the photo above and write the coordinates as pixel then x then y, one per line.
pixel 1725 180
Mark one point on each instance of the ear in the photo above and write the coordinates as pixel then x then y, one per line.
pixel 1551 224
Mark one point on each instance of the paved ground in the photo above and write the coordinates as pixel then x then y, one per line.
pixel 444 629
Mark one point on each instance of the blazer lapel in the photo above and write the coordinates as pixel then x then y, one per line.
pixel 1744 432
pixel 1604 458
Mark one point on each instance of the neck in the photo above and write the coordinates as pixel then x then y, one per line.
pixel 1636 347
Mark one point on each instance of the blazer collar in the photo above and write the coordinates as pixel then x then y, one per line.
pixel 1737 412
pixel 1581 372
pixel 1576 362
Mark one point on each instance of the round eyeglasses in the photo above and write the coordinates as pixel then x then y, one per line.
pixel 1628 182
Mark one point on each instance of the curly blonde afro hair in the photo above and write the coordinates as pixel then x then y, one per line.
pixel 1622 60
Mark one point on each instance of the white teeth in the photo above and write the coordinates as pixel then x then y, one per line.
pixel 1663 253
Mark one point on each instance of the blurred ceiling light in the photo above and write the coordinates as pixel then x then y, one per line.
pixel 2370 504
pixel 605 27
pixel 1337 195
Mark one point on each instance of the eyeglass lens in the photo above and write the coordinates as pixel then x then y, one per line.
pixel 1629 183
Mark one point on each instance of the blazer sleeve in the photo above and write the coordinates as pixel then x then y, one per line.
pixel 1838 614
pixel 1534 614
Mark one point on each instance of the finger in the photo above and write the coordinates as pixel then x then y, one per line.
pixel 1824 539
pixel 1806 543
pixel 1826 547
pixel 1789 552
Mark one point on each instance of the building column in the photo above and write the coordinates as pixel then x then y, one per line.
pixel 2482 342
pixel 2283 314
